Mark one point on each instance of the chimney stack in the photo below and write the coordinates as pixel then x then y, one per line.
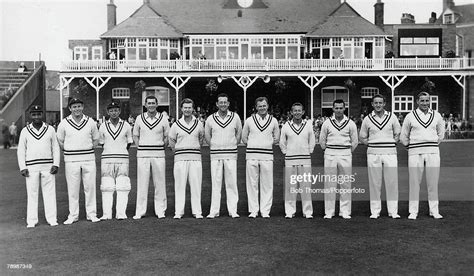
pixel 379 13
pixel 433 18
pixel 111 15
pixel 408 18
pixel 146 2
pixel 448 4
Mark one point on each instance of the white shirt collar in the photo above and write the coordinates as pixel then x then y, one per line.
pixel 344 118
pixel 260 117
pixel 385 113
pixel 418 110
pixel 184 121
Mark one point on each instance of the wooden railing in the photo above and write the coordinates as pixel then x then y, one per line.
pixel 392 64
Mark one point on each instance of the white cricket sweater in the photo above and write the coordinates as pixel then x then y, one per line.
pixel 78 138
pixel 380 134
pixel 38 150
pixel 152 133
pixel 338 138
pixel 115 140
pixel 297 143
pixel 186 139
pixel 260 135
pixel 224 135
pixel 422 133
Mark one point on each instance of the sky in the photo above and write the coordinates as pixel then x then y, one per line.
pixel 30 29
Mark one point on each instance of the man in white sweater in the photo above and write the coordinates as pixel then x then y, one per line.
pixel 150 134
pixel 297 143
pixel 380 131
pixel 116 138
pixel 186 137
pixel 223 131
pixel 260 133
pixel 338 139
pixel 38 159
pixel 422 131
pixel 78 135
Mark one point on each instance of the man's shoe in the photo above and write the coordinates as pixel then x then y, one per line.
pixel 308 216
pixel 198 216
pixel 121 218
pixel 436 216
pixel 69 221
pixel 253 215
pixel 395 216
pixel 328 216
pixel 289 216
pixel 345 216
pixel 54 224
pixel 94 219
pixel 30 226
pixel 212 216
pixel 266 216
pixel 374 216
pixel 177 216
pixel 137 217
pixel 161 216
pixel 105 218
pixel 235 215
pixel 412 216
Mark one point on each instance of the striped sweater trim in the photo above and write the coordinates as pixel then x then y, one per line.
pixel 223 151
pixel 81 124
pixel 297 157
pixel 382 145
pixel 78 152
pixel 148 124
pixel 113 134
pixel 187 151
pixel 382 124
pixel 299 130
pixel 265 125
pixel 226 121
pixel 423 145
pixel 259 150
pixel 185 129
pixel 337 147
pixel 424 124
pixel 106 156
pixel 37 136
pixel 38 161
pixel 339 127
pixel 151 147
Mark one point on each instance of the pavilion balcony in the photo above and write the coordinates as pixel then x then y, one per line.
pixel 392 64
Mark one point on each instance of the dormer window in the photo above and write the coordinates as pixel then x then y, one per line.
pixel 448 18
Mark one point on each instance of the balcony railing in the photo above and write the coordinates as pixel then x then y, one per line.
pixel 392 64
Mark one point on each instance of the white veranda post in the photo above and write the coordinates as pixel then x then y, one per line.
pixel 177 83
pixel 63 83
pixel 312 81
pixel 245 82
pixel 461 80
pixel 393 82
pixel 97 83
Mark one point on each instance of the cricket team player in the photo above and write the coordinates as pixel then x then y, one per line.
pixel 186 136
pixel 338 139
pixel 422 131
pixel 297 142
pixel 380 131
pixel 78 136
pixel 260 133
pixel 116 139
pixel 150 134
pixel 38 158
pixel 223 131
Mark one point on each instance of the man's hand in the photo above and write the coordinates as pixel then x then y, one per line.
pixel 25 173
pixel 54 170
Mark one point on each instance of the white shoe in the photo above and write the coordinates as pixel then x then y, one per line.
pixel 266 216
pixel 30 226
pixel 94 219
pixel 344 216
pixel 289 216
pixel 161 216
pixel 121 218
pixel 253 215
pixel 436 216
pixel 412 216
pixel 69 221
pixel 374 216
pixel 177 217
pixel 395 216
pixel 308 216
pixel 235 215
pixel 105 218
pixel 137 217
pixel 53 224
pixel 328 216
pixel 212 216
pixel 198 216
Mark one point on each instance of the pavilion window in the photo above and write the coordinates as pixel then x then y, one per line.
pixel 153 48
pixel 358 48
pixel 403 104
pixel 434 102
pixel 419 46
pixel 379 47
pixel 347 47
pixel 81 53
pixel 209 48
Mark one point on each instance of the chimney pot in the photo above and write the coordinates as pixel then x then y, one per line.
pixel 111 15
pixel 379 13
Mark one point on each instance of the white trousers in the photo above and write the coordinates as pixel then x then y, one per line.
pixel 386 165
pixel 48 189
pixel 157 167
pixel 291 195
pixel 416 166
pixel 185 171
pixel 260 170
pixel 75 171
pixel 339 165
pixel 115 178
pixel 228 169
